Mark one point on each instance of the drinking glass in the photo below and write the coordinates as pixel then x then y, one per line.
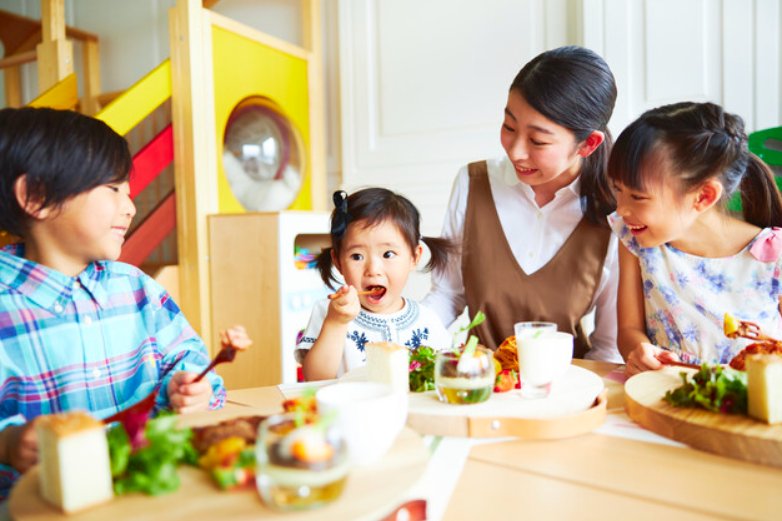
pixel 544 356
pixel 300 466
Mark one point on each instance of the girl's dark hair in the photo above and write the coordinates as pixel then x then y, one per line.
pixel 370 207
pixel 700 141
pixel 573 87
pixel 62 153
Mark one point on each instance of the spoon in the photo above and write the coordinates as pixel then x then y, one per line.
pixel 373 291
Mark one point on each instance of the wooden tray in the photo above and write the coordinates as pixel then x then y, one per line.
pixel 371 493
pixel 730 435
pixel 576 407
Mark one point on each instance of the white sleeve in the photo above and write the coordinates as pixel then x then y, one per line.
pixel 603 338
pixel 312 331
pixel 439 338
pixel 446 298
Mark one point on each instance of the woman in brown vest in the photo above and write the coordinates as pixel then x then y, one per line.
pixel 535 244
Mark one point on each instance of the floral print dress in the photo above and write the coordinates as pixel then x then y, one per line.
pixel 687 296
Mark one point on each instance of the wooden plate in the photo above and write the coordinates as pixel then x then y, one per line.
pixel 577 405
pixel 371 493
pixel 730 435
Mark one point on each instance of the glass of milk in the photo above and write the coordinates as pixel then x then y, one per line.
pixel 544 356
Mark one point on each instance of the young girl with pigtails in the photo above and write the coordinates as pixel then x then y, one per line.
pixel 375 245
pixel 684 259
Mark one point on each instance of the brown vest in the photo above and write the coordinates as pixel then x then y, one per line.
pixel 560 292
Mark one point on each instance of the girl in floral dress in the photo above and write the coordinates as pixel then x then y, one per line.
pixel 684 259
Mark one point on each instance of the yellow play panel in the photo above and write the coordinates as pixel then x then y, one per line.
pixel 243 69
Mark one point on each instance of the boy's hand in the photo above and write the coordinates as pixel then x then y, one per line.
pixel 20 446
pixel 345 305
pixel 647 357
pixel 186 396
pixel 235 336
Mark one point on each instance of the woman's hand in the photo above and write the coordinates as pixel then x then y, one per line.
pixel 647 357
pixel 345 306
pixel 186 396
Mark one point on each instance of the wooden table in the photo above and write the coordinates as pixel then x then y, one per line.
pixel 602 477
pixel 594 476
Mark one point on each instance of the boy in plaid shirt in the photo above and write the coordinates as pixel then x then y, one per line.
pixel 77 329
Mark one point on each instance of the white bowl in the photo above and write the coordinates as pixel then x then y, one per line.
pixel 370 414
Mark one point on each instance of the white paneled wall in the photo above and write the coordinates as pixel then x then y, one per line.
pixel 424 86
pixel 662 51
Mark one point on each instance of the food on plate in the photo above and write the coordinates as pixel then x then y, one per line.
pixel 730 325
pixel 421 370
pixel 506 380
pixel 230 461
pixel 507 354
pixel 388 363
pixel 764 381
pixel 305 407
pixel 152 467
pixel 75 471
pixel 759 348
pixel 715 388
pixel 245 428
pixel 300 465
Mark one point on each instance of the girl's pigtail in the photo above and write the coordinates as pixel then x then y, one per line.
pixel 324 265
pixel 760 198
pixel 440 249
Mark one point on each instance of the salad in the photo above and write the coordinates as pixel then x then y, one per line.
pixel 715 388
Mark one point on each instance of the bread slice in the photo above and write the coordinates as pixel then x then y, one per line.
pixel 764 387
pixel 388 363
pixel 74 460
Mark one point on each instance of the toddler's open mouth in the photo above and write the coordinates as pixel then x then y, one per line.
pixel 376 292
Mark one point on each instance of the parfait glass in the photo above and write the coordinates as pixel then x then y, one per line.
pixel 300 466
pixel 470 381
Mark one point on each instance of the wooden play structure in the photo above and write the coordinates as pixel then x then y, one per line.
pixel 216 63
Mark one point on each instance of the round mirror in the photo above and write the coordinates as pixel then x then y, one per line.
pixel 262 156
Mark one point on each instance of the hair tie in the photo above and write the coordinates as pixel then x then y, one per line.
pixel 339 220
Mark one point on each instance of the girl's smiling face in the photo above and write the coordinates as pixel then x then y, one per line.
pixel 544 154
pixel 657 214
pixel 377 257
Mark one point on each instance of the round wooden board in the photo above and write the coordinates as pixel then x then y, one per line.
pixel 576 405
pixel 730 435
pixel 371 493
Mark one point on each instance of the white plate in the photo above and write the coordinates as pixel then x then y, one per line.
pixel 574 392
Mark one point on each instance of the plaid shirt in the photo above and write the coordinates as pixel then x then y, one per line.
pixel 99 341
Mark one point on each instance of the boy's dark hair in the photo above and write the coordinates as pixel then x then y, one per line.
pixel 370 207
pixel 62 153
pixel 701 141
pixel 574 87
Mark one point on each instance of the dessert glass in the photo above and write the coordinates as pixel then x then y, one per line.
pixel 299 466
pixel 470 382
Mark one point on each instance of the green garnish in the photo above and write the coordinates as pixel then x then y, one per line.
pixel 714 388
pixel 152 468
pixel 472 343
pixel 421 374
